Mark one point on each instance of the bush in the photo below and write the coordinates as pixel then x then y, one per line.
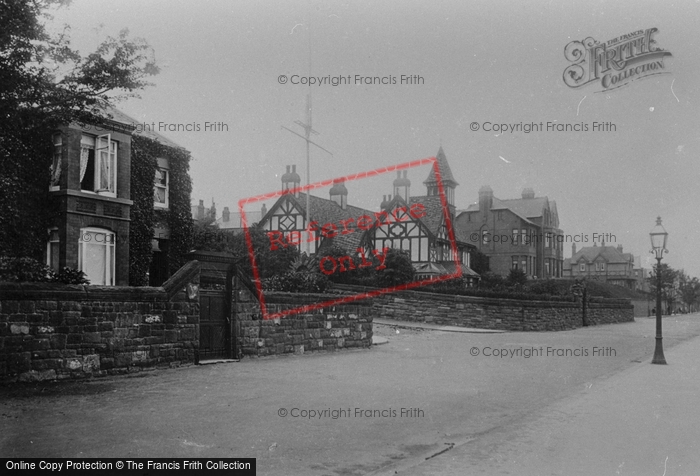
pixel 397 268
pixel 296 282
pixel 68 275
pixel 31 270
pixel 516 278
pixel 547 286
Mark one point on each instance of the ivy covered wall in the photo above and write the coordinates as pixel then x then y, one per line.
pixel 144 217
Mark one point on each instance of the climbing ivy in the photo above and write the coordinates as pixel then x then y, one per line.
pixel 144 217
pixel 143 169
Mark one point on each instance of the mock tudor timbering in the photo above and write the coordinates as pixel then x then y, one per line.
pixel 422 233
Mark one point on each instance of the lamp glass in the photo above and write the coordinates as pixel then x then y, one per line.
pixel 658 236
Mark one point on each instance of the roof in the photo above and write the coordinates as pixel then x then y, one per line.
pixel 324 210
pixel 434 214
pixel 610 254
pixel 119 116
pixel 526 207
pixel 236 221
pixel 450 267
pixel 444 168
pixel 444 268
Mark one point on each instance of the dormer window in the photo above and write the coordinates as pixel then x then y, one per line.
pixel 582 267
pixel 98 165
pixel 161 185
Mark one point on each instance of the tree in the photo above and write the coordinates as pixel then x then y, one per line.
pixel 398 269
pixel 516 278
pixel 44 83
pixel 479 262
pixel 668 278
pixel 689 290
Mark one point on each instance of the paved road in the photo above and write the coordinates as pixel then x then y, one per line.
pixel 451 399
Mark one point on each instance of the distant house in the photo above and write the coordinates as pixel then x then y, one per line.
pixel 521 233
pixel 605 263
pixel 415 224
pixel 92 194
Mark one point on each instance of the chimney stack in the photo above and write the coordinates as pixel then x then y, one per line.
pixel 528 193
pixel 226 215
pixel 339 193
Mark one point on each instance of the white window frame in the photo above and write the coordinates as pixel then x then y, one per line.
pixel 52 238
pixel 582 266
pixel 108 241
pixel 162 167
pixel 105 149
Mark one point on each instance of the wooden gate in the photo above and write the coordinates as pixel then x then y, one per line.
pixel 214 325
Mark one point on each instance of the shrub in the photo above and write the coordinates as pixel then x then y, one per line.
pixel 31 270
pixel 296 282
pixel 516 278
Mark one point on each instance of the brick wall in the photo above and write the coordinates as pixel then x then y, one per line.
pixel 52 331
pixel 334 328
pixel 489 313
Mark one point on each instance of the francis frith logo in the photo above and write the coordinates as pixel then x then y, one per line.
pixel 616 62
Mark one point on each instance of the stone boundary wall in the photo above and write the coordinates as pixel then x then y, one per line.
pixel 492 313
pixel 53 331
pixel 334 328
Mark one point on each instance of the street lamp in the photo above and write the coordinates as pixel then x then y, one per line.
pixel 658 237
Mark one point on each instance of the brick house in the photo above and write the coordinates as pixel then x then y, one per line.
pixel 91 199
pixel 604 263
pixel 520 233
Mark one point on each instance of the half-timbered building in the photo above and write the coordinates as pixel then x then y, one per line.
pixel 417 225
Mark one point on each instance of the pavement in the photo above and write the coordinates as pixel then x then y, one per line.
pixel 468 412
pixel 433 327
pixel 642 421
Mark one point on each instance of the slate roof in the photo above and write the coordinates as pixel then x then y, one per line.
pixel 235 220
pixel 119 116
pixel 450 267
pixel 524 208
pixel 609 254
pixel 433 212
pixel 324 210
pixel 444 168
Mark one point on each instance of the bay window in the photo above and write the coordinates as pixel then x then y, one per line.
pixel 98 164
pixel 96 255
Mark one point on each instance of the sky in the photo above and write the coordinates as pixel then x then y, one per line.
pixel 478 62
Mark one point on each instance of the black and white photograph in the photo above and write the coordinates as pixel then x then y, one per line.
pixel 349 238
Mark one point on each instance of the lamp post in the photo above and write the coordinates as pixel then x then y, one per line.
pixel 658 237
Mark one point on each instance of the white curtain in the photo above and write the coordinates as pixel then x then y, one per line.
pixel 84 154
pixel 55 172
pixel 105 176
